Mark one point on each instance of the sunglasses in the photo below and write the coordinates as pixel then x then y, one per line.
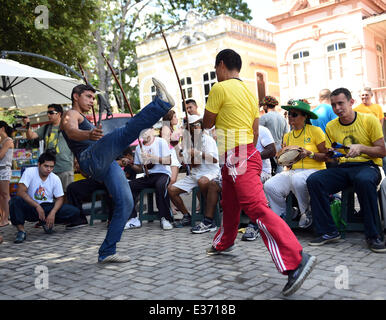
pixel 293 114
pixel 52 112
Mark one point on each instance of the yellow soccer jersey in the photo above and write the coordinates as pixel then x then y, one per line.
pixel 374 109
pixel 236 108
pixel 365 129
pixel 309 139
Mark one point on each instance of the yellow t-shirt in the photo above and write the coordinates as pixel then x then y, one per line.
pixel 236 108
pixel 309 139
pixel 374 109
pixel 365 129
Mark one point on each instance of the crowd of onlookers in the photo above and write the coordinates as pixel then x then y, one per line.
pixel 182 145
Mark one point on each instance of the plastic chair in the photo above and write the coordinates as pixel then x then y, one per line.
pixel 98 212
pixel 199 216
pixel 150 215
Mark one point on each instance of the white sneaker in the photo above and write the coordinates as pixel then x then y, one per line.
pixel 162 92
pixel 165 224
pixel 133 223
pixel 115 258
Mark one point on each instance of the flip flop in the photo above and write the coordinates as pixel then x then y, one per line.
pixel 5 225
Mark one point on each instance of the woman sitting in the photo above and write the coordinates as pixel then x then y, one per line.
pixel 311 140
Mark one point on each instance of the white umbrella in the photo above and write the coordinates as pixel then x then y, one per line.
pixel 24 86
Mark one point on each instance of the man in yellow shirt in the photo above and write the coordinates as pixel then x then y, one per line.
pixel 234 111
pixel 360 168
pixel 368 107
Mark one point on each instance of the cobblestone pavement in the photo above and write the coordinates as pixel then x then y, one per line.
pixel 173 265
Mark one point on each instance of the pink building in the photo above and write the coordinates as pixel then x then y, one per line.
pixel 330 44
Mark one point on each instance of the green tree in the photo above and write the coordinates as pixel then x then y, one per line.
pixel 122 23
pixel 10 116
pixel 66 37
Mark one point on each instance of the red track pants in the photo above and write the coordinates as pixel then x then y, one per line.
pixel 242 189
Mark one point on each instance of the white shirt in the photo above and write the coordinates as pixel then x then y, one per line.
pixel 158 148
pixel 265 138
pixel 209 146
pixel 39 190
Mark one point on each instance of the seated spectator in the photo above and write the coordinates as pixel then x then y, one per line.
pixel 40 197
pixel 156 154
pixel 312 141
pixel 203 155
pixel 266 146
pixel 359 168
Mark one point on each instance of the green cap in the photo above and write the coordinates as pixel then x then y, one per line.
pixel 301 106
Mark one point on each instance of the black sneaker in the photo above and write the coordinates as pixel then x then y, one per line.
pixel 296 277
pixel 212 251
pixel 376 245
pixel 79 224
pixel 202 227
pixel 20 237
pixel 326 238
pixel 48 230
pixel 251 233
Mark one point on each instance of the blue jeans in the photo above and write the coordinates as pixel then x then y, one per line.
pixel 20 211
pixel 98 161
pixel 365 179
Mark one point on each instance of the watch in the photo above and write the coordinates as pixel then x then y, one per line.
pixel 312 155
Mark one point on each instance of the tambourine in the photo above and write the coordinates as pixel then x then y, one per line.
pixel 289 155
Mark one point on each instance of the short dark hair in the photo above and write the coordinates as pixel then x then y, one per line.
pixel 191 101
pixel 57 107
pixel 345 91
pixel 8 130
pixel 47 156
pixel 231 59
pixel 79 89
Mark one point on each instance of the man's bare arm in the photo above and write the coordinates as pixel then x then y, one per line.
pixel 209 119
pixel 255 128
pixel 29 133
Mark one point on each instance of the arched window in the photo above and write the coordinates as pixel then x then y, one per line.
pixel 380 64
pixel 153 92
pixel 209 80
pixel 301 68
pixel 260 86
pixel 337 60
pixel 187 88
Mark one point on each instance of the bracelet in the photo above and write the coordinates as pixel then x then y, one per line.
pixel 312 155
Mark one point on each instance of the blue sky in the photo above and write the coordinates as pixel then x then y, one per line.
pixel 261 9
